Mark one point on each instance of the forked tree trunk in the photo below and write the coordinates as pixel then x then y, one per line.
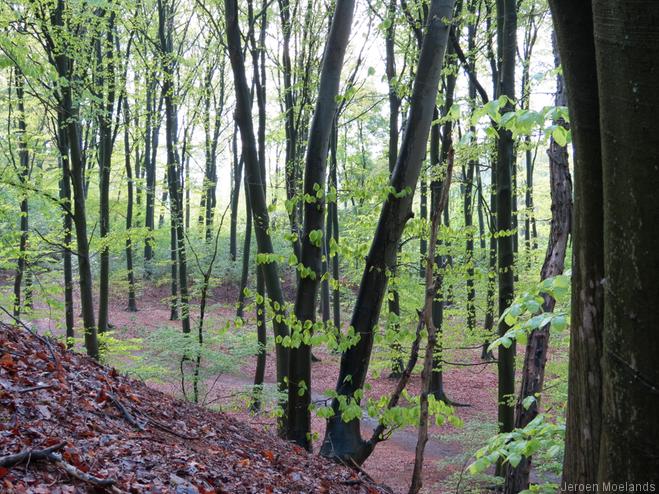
pixel 343 439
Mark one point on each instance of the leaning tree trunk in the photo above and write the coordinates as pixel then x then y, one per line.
pixel 535 358
pixel 311 250
pixel 626 38
pixel 343 439
pixel 574 28
pixel 253 178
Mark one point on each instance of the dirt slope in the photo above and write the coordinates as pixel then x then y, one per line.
pixel 114 434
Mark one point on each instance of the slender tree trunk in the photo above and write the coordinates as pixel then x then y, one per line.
pixel 533 372
pixel 65 197
pixel 333 215
pixel 506 12
pixel 132 304
pixel 150 150
pixel 432 279
pixel 254 180
pixel 247 242
pixel 23 177
pixel 343 439
pixel 235 195
pixel 165 32
pixel 106 84
pixel 392 154
pixel 80 222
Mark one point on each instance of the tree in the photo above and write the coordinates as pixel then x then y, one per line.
pixel 535 356
pixel 311 251
pixel 608 65
pixel 507 26
pixel 254 190
pixel 343 439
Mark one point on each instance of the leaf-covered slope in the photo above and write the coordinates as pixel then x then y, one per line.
pixel 109 429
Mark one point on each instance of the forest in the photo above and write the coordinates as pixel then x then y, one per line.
pixel 330 245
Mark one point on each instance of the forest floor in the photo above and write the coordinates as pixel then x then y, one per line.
pixel 449 450
pixel 71 425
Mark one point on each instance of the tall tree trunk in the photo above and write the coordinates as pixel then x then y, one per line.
pixel 247 243
pixel 626 38
pixel 106 86
pixel 574 28
pixel 23 172
pixel 65 197
pixel 71 116
pixel 535 358
pixel 235 195
pixel 165 33
pixel 150 150
pixel 507 14
pixel 254 180
pixel 343 439
pixel 299 378
pixel 132 304
pixel 392 154
pixel 333 217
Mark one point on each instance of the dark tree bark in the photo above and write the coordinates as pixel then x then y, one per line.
pixel 23 173
pixel 392 153
pixel 574 31
pixel 507 14
pixel 441 145
pixel 468 199
pixel 132 303
pixel 333 218
pixel 343 439
pixel 152 130
pixel 237 175
pixel 627 54
pixel 165 35
pixel 106 87
pixel 65 197
pixel 298 427
pixel 255 191
pixel 535 358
